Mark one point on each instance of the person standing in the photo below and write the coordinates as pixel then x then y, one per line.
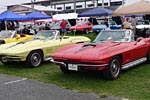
pixel 127 24
pixel 63 25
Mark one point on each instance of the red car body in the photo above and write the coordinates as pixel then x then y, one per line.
pixel 108 56
pixel 81 28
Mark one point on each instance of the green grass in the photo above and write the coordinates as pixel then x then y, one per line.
pixel 133 84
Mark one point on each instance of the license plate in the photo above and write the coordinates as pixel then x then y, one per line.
pixel 72 67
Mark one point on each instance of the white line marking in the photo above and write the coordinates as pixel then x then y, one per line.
pixel 15 81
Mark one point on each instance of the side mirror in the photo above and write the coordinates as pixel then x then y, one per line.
pixel 139 39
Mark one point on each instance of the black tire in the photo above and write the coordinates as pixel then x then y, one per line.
pixel 87 31
pixel 64 69
pixel 34 59
pixel 148 57
pixel 113 69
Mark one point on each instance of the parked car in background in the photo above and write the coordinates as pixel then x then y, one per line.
pixel 84 27
pixel 56 25
pixel 35 51
pixel 102 26
pixel 111 52
pixel 7 36
pixel 143 28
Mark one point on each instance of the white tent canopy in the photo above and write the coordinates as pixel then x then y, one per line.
pixel 65 16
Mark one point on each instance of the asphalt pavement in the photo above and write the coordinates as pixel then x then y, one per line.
pixel 17 88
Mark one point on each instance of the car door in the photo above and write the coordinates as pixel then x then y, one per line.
pixel 133 51
pixel 139 49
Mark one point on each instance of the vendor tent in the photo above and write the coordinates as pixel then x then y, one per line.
pixel 9 16
pixel 37 15
pixel 96 12
pixel 141 7
pixel 65 16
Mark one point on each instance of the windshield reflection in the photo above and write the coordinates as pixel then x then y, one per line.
pixel 115 36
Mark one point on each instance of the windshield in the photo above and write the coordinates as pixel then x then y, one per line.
pixel 7 34
pixel 115 36
pixel 46 34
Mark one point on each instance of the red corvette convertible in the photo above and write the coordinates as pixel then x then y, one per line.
pixel 86 27
pixel 111 52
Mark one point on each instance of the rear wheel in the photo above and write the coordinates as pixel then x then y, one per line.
pixel 113 69
pixel 34 59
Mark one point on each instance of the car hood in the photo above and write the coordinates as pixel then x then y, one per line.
pixel 18 47
pixel 85 51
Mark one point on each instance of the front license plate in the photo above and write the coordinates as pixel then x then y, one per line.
pixel 72 67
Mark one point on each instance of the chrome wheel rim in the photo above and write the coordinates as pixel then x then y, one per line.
pixel 36 59
pixel 115 68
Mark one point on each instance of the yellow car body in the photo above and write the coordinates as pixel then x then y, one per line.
pixel 8 36
pixel 39 49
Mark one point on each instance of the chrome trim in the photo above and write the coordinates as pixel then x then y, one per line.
pixel 133 63
pixel 92 65
pixel 48 59
pixel 11 57
pixel 58 62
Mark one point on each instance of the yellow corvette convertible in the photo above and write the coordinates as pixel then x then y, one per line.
pixel 8 36
pixel 35 51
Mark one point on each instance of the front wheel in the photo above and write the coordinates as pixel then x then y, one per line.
pixel 113 69
pixel 34 59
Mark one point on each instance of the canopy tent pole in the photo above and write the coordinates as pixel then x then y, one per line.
pixel 6 25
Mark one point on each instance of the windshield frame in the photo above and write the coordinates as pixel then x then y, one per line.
pixel 8 34
pixel 47 34
pixel 126 36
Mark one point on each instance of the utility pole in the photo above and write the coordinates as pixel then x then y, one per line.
pixel 75 6
pixel 95 3
pixel 109 2
pixel 32 5
pixel 102 3
pixel 123 2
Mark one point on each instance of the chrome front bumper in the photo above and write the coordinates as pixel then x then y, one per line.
pixel 83 65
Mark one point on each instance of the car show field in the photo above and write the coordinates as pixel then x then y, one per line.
pixel 133 83
pixel 75 50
